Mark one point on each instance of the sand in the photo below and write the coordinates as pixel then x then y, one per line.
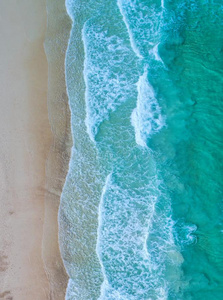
pixel 29 196
pixel 57 35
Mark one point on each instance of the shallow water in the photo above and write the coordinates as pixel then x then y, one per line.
pixel 141 210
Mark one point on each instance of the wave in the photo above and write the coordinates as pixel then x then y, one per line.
pixel 108 85
pixel 120 233
pixel 144 24
pixel 146 118
pixel 135 242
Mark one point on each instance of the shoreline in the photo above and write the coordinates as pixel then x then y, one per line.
pixel 35 148
pixel 55 44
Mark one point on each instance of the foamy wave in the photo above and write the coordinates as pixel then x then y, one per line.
pixel 162 4
pixel 108 83
pixel 98 250
pixel 131 37
pixel 186 234
pixel 146 118
pixel 135 243
pixel 143 23
pixel 155 53
pixel 70 7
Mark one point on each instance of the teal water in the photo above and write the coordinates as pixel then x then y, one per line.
pixel 141 214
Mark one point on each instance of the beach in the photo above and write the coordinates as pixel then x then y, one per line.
pixel 34 151
pixel 133 208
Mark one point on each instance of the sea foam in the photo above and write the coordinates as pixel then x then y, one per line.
pixel 108 85
pixel 146 117
pixel 143 23
pixel 129 239
pixel 135 241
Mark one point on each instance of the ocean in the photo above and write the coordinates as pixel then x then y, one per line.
pixel 141 213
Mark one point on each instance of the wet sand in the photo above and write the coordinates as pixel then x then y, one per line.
pixel 57 35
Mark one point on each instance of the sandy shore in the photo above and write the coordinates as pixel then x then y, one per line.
pixel 29 198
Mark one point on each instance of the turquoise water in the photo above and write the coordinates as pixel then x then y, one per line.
pixel 141 213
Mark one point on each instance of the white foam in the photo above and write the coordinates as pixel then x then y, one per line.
pixel 163 294
pixel 155 52
pixel 147 229
pixel 69 4
pixel 70 291
pixel 146 118
pixel 134 235
pixel 108 82
pixel 87 123
pixel 143 23
pixel 131 38
pixel 190 237
pixel 98 250
pixel 162 4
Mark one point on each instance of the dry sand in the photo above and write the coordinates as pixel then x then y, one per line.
pixel 28 210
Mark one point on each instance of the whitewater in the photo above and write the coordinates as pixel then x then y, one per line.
pixel 141 210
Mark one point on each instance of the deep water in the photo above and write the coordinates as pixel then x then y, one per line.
pixel 141 213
